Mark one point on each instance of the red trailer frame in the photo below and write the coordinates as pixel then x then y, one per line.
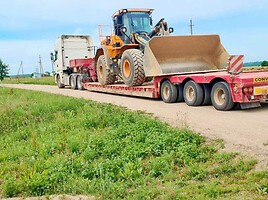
pixel 247 88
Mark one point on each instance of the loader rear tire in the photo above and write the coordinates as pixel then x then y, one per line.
pixel 193 94
pixel 105 76
pixel 221 96
pixel 169 92
pixel 132 67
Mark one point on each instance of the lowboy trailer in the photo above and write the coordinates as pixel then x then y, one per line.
pixel 223 89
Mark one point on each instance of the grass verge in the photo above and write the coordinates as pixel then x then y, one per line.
pixel 52 144
pixel 36 81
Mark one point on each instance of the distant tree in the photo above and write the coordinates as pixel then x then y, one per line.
pixel 264 63
pixel 3 70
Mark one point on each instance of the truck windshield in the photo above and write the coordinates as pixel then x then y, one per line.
pixel 137 22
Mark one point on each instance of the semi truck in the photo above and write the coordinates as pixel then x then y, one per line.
pixel 195 69
pixel 72 58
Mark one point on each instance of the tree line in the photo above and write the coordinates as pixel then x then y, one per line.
pixel 3 70
pixel 264 63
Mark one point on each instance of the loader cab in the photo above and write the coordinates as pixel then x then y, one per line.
pixel 134 20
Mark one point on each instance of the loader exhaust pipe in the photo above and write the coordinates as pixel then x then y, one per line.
pixel 184 54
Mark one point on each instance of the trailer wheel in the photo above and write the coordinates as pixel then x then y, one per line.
pixel 132 67
pixel 207 91
pixel 80 84
pixel 169 92
pixel 73 82
pixel 193 94
pixel 221 96
pixel 105 77
pixel 59 83
pixel 180 93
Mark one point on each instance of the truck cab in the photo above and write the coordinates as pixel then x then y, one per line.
pixel 69 47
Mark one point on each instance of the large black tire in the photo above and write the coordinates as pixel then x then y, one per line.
pixel 132 67
pixel 105 77
pixel 73 82
pixel 180 93
pixel 60 85
pixel 193 94
pixel 221 96
pixel 80 84
pixel 169 92
pixel 207 91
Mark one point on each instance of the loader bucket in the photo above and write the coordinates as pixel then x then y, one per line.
pixel 184 54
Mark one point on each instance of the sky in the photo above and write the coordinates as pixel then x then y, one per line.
pixel 29 28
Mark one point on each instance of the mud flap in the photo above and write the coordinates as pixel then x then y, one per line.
pixel 250 105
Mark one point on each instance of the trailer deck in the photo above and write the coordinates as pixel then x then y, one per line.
pixel 146 90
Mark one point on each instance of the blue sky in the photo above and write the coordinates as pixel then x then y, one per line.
pixel 29 28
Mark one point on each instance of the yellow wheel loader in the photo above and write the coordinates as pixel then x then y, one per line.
pixel 121 54
pixel 135 52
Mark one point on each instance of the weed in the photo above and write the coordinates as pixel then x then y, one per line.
pixel 53 144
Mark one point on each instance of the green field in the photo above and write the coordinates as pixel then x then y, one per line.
pixel 60 145
pixel 37 81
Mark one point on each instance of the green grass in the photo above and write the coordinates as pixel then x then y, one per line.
pixel 59 145
pixel 37 81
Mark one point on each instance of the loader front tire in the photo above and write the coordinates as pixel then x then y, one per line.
pixel 105 77
pixel 132 67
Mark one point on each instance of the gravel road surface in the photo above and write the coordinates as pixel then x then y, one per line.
pixel 243 131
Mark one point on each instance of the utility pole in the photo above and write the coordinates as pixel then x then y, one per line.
pixel 20 69
pixel 41 66
pixel 191 26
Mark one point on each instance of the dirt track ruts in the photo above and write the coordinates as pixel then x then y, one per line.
pixel 244 131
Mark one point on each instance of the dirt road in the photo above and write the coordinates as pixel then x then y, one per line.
pixel 244 131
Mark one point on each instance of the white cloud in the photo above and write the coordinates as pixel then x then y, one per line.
pixel 83 11
pixel 28 52
pixel 43 20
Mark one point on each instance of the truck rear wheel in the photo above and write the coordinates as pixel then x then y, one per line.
pixel 73 82
pixel 59 83
pixel 132 67
pixel 80 84
pixel 193 94
pixel 169 92
pixel 105 77
pixel 221 96
pixel 207 91
pixel 180 93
